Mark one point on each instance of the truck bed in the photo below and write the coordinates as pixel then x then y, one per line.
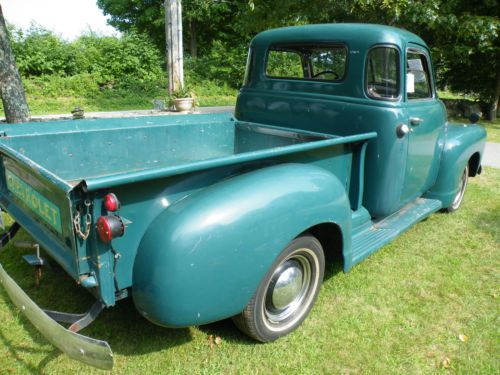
pixel 86 153
pixel 53 173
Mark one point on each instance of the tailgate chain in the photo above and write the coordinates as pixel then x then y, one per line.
pixel 88 220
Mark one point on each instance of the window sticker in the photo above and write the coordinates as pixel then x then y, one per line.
pixel 410 83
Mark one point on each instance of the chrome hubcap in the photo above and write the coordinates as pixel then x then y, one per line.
pixel 288 288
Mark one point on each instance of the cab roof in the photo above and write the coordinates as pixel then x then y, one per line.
pixel 351 33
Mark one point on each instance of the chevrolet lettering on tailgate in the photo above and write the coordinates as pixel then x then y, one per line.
pixel 47 210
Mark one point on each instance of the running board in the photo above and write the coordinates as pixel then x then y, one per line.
pixel 381 232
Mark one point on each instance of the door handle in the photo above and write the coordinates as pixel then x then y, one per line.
pixel 402 130
pixel 416 121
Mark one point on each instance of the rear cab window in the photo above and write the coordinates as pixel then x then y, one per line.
pixel 382 80
pixel 307 62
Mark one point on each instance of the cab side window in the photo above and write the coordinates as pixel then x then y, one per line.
pixel 382 73
pixel 418 83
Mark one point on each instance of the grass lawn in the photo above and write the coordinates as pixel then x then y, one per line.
pixel 115 102
pixel 493 130
pixel 400 311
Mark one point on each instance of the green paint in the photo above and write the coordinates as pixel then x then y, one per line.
pixel 44 208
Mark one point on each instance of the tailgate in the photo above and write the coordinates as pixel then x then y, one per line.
pixel 40 202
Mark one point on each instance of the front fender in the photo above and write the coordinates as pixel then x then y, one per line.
pixel 462 141
pixel 202 259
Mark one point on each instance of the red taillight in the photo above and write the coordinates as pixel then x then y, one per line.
pixel 109 227
pixel 111 202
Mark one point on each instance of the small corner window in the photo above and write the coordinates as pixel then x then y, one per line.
pixel 382 73
pixel 307 62
pixel 418 84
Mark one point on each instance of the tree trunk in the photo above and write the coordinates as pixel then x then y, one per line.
pixel 193 46
pixel 493 109
pixel 11 87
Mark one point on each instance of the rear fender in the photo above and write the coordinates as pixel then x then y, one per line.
pixel 202 259
pixel 462 142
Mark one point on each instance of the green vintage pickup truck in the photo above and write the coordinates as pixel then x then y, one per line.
pixel 338 144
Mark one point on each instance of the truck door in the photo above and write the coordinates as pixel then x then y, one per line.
pixel 425 117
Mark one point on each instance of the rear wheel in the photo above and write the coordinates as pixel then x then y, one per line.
pixel 287 293
pixel 457 201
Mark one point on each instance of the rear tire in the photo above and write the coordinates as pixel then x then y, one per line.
pixel 457 200
pixel 287 293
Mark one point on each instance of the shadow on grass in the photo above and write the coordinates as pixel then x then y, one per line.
pixel 228 331
pixel 488 222
pixel 130 334
pixel 15 351
pixel 127 332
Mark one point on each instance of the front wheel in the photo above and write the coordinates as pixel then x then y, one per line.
pixel 287 293
pixel 457 201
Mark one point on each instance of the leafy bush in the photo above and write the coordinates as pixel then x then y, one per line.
pixel 125 62
pixel 38 51
pixel 53 86
pixel 221 64
pixel 102 73
pixel 119 62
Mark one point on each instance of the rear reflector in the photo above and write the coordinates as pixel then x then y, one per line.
pixel 109 227
pixel 111 202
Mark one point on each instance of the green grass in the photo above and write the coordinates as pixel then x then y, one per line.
pixel 103 102
pixel 400 311
pixel 446 94
pixel 492 129
pixel 60 95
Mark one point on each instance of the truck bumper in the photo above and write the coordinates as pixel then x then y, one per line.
pixel 93 352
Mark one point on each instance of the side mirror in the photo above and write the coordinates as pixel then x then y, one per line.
pixel 474 117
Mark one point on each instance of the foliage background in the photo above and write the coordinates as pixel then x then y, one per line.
pixel 463 34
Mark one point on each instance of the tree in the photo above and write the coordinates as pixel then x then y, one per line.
pixel 463 34
pixel 11 88
pixel 203 20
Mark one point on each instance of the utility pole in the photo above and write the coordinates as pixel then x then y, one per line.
pixel 174 51
pixel 11 87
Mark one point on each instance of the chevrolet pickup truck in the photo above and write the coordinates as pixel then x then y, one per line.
pixel 337 145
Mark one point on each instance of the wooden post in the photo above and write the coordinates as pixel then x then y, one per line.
pixel 11 87
pixel 174 51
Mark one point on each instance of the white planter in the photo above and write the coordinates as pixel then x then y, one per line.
pixel 183 104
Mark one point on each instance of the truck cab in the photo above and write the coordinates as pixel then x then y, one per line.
pixel 347 79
